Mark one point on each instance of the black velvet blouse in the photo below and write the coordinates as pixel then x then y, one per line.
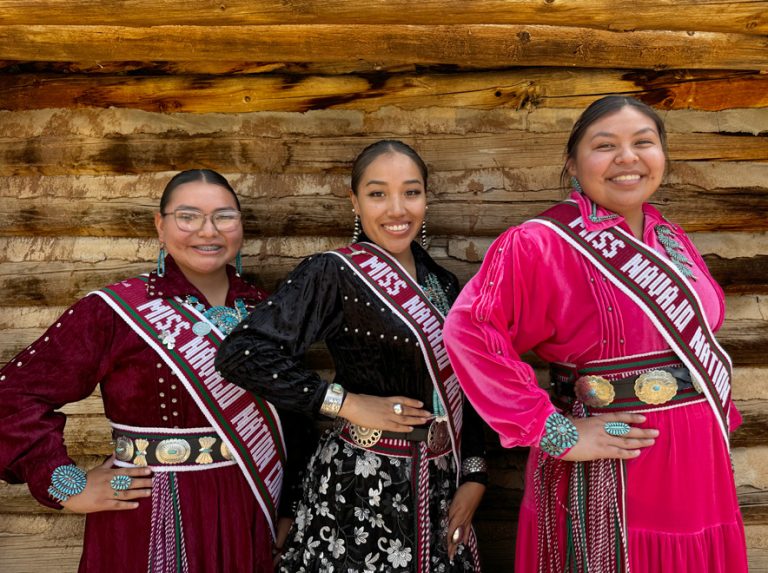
pixel 373 351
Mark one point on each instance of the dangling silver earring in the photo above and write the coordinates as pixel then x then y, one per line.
pixel 356 230
pixel 424 233
pixel 161 261
pixel 238 264
pixel 576 185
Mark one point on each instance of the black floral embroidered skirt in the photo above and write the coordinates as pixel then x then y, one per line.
pixel 359 511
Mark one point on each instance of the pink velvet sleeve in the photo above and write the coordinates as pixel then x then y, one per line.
pixel 500 314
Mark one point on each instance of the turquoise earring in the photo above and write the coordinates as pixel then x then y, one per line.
pixel 161 261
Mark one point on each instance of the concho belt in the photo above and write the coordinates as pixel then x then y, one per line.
pixel 436 435
pixel 657 386
pixel 186 449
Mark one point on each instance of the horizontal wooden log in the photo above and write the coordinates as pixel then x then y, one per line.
pixel 529 88
pixel 59 155
pixel 221 67
pixel 414 125
pixel 41 543
pixel 754 429
pixel 467 45
pixel 743 16
pixel 519 184
pixel 473 213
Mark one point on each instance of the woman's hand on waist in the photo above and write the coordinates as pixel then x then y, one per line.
pixel 99 495
pixel 596 443
pixel 381 412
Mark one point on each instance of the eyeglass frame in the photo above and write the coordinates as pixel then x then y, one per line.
pixel 205 216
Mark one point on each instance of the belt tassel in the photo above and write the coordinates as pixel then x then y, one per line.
pixel 423 526
pixel 167 551
pixel 595 533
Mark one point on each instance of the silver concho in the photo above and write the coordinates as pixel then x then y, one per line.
pixel 225 453
pixel 656 387
pixel 124 449
pixel 364 437
pixel 438 436
pixel 594 391
pixel 173 451
pixel 201 328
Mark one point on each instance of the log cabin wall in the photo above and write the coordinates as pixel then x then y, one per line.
pixel 101 102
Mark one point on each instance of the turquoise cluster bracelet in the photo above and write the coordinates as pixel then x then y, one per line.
pixel 559 435
pixel 66 481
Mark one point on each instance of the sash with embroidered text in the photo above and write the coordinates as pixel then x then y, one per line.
pixel 392 284
pixel 248 425
pixel 662 293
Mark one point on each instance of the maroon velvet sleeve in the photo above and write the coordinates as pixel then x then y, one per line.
pixel 64 365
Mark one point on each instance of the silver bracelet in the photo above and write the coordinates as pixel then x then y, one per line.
pixel 474 465
pixel 334 398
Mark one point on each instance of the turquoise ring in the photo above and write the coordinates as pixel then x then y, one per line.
pixel 617 429
pixel 120 483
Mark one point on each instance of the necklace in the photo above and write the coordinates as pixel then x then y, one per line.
pixel 674 251
pixel 224 317
pixel 593 216
pixel 436 295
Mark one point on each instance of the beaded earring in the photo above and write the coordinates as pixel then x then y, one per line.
pixel 356 230
pixel 576 185
pixel 424 233
pixel 161 261
pixel 238 264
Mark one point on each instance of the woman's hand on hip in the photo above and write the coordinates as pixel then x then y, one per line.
pixel 596 443
pixel 463 506
pixel 382 412
pixel 99 495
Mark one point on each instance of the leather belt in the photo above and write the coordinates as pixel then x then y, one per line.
pixel 436 435
pixel 656 386
pixel 177 449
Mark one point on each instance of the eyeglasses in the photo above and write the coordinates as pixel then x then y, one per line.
pixel 191 220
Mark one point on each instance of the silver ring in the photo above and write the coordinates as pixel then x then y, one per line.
pixel 456 535
pixel 617 429
pixel 120 483
pixel 397 408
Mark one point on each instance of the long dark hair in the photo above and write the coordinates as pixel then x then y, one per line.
pixel 370 153
pixel 190 175
pixel 596 111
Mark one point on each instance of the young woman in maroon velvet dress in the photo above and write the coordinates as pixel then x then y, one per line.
pixel 206 506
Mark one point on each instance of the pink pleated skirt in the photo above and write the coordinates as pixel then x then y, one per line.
pixel 682 513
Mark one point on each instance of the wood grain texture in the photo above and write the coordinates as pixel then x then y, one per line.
pixel 743 16
pixel 526 88
pixel 465 45
pixel 227 152
pixel 475 213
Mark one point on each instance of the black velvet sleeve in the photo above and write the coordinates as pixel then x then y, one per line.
pixel 473 441
pixel 263 354
pixel 300 442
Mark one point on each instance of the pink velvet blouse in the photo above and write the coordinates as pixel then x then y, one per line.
pixel 534 292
